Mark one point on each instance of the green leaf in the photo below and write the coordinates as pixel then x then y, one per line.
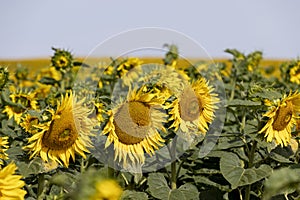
pixel 282 181
pixel 203 180
pixel 267 94
pixel 48 81
pixel 132 195
pixel 158 186
pixel 233 171
pixel 189 191
pixel 239 102
pixel 159 189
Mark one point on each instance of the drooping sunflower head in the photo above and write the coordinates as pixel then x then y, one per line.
pixel 3 77
pixel 3 149
pixel 61 59
pixel 294 72
pixel 281 116
pixel 10 183
pixel 23 100
pixel 66 133
pixel 194 108
pixel 133 127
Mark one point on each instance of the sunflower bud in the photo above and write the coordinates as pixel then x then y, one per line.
pixel 3 77
pixel 61 59
pixel 21 73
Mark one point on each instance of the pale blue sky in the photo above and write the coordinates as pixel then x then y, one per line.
pixel 30 28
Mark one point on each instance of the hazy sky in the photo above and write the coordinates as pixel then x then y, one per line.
pixel 30 28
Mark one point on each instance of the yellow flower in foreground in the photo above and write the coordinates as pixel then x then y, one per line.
pixel 26 99
pixel 295 73
pixel 3 148
pixel 107 190
pixel 133 127
pixel 67 133
pixel 10 184
pixel 194 108
pixel 282 116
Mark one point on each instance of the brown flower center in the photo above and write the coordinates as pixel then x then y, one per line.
pixel 190 105
pixel 62 133
pixel 132 122
pixel 283 116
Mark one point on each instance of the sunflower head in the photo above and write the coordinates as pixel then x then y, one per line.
pixel 3 148
pixel 21 73
pixel 3 77
pixel 294 72
pixel 11 184
pixel 134 125
pixel 96 184
pixel 194 108
pixel 66 133
pixel 125 65
pixel 49 72
pixel 107 189
pixel 171 56
pixel 281 117
pixel 21 101
pixel 61 59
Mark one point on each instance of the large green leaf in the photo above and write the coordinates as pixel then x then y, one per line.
pixel 233 171
pixel 158 186
pixel 159 189
pixel 282 181
pixel 189 192
pixel 129 194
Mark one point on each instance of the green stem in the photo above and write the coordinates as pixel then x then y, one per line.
pixel 250 164
pixel 41 185
pixel 110 172
pixel 173 165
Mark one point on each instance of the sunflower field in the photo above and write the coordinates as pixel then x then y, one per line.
pixel 127 128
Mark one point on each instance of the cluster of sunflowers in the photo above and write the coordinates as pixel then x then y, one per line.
pixel 134 130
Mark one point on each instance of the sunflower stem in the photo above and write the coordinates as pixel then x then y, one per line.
pixel 173 165
pixel 232 89
pixel 110 172
pixel 250 164
pixel 41 186
pixel 173 175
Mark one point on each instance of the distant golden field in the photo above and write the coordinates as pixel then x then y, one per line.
pixel 35 64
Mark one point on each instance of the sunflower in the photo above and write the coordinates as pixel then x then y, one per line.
pixel 3 77
pixel 282 116
pixel 295 73
pixel 99 111
pixel 107 189
pixel 3 148
pixel 61 59
pixel 50 73
pixel 194 108
pixel 127 65
pixel 25 99
pixel 165 78
pixel 10 184
pixel 65 134
pixel 133 127
pixel 28 122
